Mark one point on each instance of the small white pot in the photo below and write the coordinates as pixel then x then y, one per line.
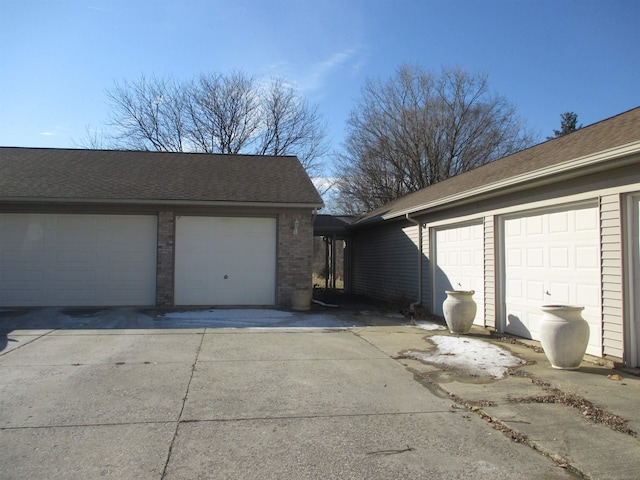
pixel 459 310
pixel 564 335
pixel 301 299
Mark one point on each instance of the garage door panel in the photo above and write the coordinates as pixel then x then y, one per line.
pixel 560 264
pixel 459 264
pixel 77 260
pixel 225 261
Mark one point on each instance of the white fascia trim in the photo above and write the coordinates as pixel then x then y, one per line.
pixel 582 162
pixel 164 203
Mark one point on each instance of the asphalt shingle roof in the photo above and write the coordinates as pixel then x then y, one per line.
pixel 614 132
pixel 113 175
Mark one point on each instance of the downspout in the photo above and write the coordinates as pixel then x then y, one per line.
pixel 412 307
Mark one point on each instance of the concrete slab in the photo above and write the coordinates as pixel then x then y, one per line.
pixel 103 451
pixel 304 387
pixel 396 340
pixel 13 341
pixel 407 446
pixel 607 388
pixel 68 348
pixel 592 448
pixel 285 345
pixel 39 396
pixel 285 403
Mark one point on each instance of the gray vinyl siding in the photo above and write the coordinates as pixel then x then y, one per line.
pixel 612 284
pixel 489 272
pixel 385 262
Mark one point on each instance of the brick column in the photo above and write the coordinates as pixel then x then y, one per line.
pixel 165 259
pixel 295 254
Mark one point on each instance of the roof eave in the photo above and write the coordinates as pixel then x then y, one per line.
pixel 164 203
pixel 538 176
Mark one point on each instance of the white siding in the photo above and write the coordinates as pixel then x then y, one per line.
pixel 611 258
pixel 489 272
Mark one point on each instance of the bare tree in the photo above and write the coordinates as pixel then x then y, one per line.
pixel 224 112
pixel 215 113
pixel 290 126
pixel 149 114
pixel 416 129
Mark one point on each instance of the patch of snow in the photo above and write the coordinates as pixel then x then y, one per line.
pixel 253 318
pixel 430 326
pixel 227 314
pixel 474 356
pixel 394 315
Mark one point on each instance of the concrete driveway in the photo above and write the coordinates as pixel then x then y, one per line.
pixel 79 399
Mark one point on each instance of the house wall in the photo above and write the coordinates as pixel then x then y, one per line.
pixel 385 266
pixel 295 254
pixel 611 245
pixel 385 262
pixel 490 247
pixel 165 268
pixel 294 247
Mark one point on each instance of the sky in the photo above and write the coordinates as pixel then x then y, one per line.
pixel 57 57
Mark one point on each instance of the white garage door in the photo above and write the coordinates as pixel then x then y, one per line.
pixel 552 257
pixel 77 260
pixel 635 280
pixel 459 265
pixel 225 261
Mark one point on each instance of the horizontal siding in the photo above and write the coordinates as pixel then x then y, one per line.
pixel 489 273
pixel 385 262
pixel 612 276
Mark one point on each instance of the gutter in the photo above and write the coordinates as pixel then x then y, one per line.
pixel 593 161
pixel 412 307
pixel 164 203
pixel 620 156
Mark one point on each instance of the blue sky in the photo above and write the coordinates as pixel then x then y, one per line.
pixel 57 57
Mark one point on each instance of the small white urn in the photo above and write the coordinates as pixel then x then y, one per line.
pixel 301 299
pixel 564 335
pixel 459 310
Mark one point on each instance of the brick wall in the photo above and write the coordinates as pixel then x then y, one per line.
pixel 294 262
pixel 295 254
pixel 165 259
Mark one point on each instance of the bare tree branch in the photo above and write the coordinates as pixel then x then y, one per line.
pixel 416 129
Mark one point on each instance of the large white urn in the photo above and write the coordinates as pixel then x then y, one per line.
pixel 459 310
pixel 564 335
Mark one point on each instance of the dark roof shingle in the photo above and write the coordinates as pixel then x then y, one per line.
pixel 113 175
pixel 614 132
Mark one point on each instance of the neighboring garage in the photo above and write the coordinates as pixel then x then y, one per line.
pixel 554 224
pixel 552 257
pixel 634 277
pixel 110 228
pixel 53 259
pixel 457 257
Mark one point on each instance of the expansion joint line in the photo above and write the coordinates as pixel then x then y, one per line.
pixel 184 402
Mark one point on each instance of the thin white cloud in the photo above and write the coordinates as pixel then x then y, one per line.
pixel 319 72
pixel 99 9
pixel 49 134
pixel 314 76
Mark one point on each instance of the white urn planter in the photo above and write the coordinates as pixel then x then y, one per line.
pixel 564 335
pixel 459 310
pixel 301 299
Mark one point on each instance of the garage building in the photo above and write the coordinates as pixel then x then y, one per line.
pixel 114 228
pixel 557 223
